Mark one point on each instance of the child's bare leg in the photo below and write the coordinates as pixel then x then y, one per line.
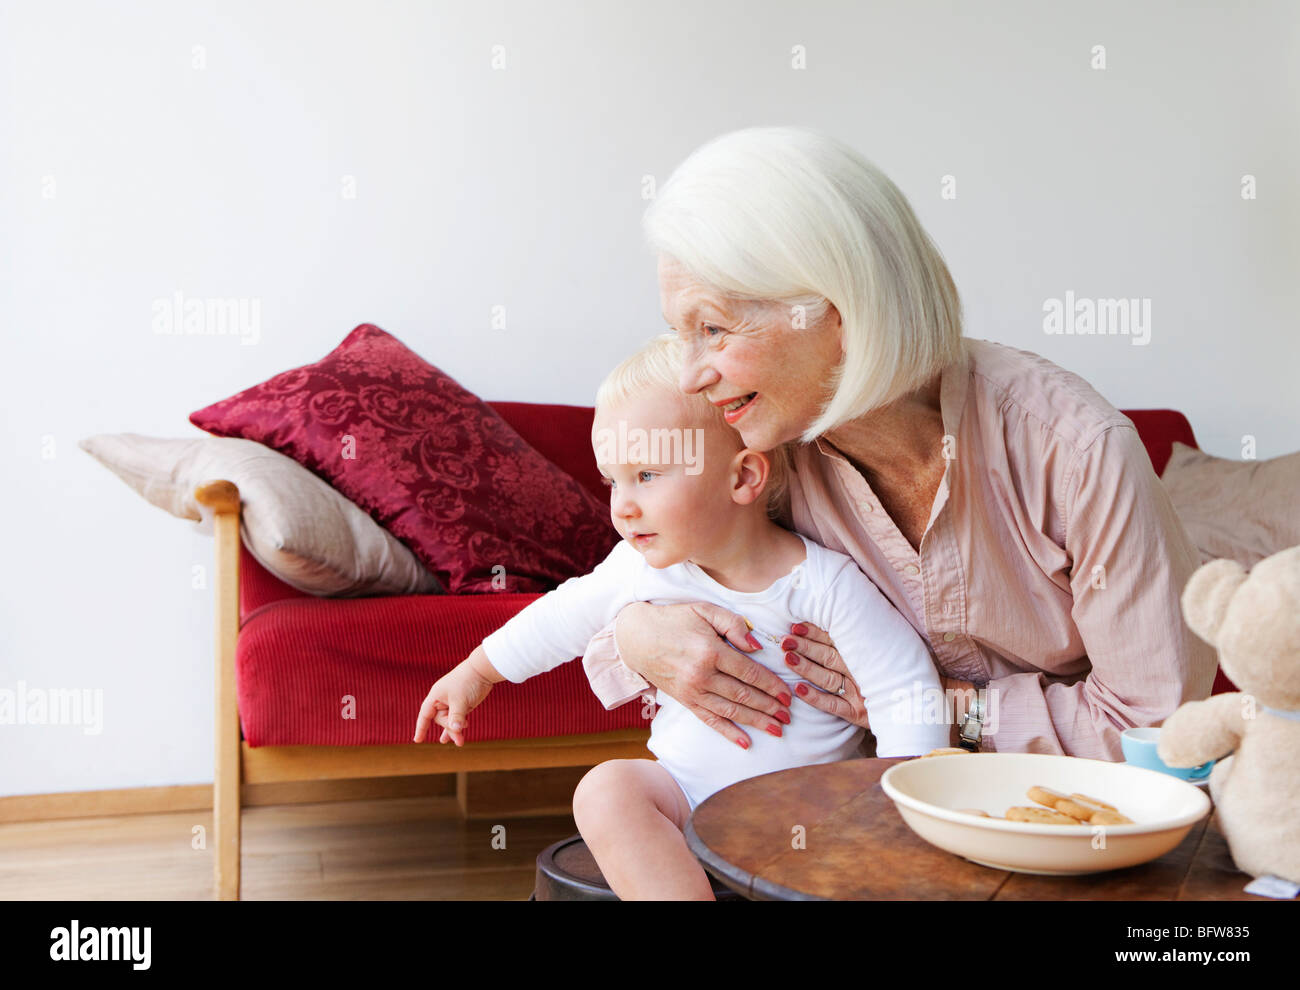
pixel 631 814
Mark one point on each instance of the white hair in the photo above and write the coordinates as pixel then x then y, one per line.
pixel 790 215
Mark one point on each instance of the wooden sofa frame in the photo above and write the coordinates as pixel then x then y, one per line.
pixel 238 763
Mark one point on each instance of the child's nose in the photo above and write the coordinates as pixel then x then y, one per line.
pixel 625 506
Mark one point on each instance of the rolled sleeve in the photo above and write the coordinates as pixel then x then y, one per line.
pixel 612 681
pixel 1130 559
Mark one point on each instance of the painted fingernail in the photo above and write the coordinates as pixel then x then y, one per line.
pixel 799 629
pixel 774 730
pixel 743 743
pixel 784 698
pixel 782 717
pixel 792 660
pixel 789 644
pixel 801 689
pixel 749 638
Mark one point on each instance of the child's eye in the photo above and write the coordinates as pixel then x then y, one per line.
pixel 639 475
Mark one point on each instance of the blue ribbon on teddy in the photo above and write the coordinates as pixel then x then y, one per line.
pixel 1282 713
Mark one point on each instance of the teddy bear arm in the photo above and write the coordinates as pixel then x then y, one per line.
pixel 1202 730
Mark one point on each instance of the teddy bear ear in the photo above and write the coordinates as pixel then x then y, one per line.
pixel 1207 594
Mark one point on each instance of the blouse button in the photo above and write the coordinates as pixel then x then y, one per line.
pixel 912 569
pixel 949 637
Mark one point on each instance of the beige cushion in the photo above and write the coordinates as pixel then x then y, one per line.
pixel 297 526
pixel 1237 510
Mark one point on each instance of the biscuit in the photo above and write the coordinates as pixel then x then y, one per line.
pixel 1039 816
pixel 1076 809
pixel 1093 800
pixel 1074 819
pixel 1046 796
pixel 1082 810
pixel 946 751
pixel 1107 817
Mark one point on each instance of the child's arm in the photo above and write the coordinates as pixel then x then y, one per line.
pixel 455 695
pixel 890 662
pixel 548 632
pixel 558 626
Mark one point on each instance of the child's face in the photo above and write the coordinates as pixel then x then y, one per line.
pixel 670 490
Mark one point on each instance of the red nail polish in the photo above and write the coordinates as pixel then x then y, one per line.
pixel 749 638
pixel 792 660
pixel 799 629
pixel 782 717
pixel 801 689
pixel 784 698
pixel 743 743
pixel 789 644
pixel 774 730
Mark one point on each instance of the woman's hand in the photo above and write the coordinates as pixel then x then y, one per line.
pixel 812 655
pixel 681 650
pixel 818 661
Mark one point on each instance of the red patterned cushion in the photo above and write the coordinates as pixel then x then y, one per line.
pixel 430 461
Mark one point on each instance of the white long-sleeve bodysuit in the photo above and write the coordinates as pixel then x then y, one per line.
pixel 889 661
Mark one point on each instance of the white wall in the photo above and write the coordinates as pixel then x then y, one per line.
pixel 521 187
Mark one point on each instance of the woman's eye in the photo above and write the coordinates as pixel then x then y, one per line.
pixel 709 330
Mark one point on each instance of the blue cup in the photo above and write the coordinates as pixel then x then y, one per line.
pixel 1139 747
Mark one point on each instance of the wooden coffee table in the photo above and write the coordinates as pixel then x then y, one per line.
pixel 857 847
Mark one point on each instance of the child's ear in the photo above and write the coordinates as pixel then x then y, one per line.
pixel 750 470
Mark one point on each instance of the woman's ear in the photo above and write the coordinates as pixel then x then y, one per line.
pixel 750 470
pixel 835 325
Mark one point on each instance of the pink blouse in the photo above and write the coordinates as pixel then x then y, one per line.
pixel 1050 570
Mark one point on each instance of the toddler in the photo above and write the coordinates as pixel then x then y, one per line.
pixel 691 503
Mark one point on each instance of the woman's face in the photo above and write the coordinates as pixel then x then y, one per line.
pixel 734 349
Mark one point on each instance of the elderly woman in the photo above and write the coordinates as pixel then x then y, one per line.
pixel 1005 508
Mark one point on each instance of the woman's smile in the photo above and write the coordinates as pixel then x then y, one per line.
pixel 733 410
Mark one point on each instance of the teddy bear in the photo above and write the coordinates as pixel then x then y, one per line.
pixel 1253 619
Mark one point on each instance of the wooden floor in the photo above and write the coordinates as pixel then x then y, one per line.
pixel 412 848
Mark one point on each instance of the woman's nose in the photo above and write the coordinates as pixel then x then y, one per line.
pixel 696 376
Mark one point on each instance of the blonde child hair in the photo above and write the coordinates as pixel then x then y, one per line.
pixel 657 365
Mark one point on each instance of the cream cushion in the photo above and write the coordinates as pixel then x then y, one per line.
pixel 1235 510
pixel 297 525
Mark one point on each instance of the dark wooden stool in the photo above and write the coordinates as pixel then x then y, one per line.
pixel 566 871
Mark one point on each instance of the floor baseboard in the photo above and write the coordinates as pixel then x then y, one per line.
pixel 198 797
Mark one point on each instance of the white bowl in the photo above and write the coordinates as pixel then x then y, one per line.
pixel 928 792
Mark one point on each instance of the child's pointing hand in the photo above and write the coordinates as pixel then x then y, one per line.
pixel 454 696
